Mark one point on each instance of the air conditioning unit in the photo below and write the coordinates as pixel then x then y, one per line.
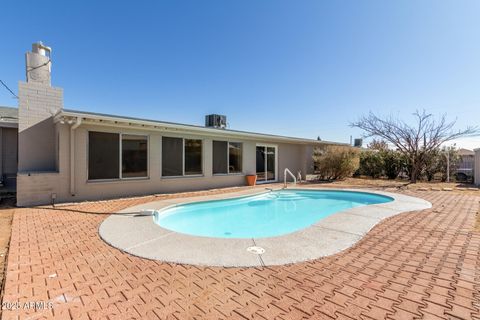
pixel 216 121
pixel 358 142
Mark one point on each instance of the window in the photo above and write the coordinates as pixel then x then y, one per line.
pixel 103 155
pixel 234 157
pixel 181 157
pixel 193 157
pixel 220 161
pixel 134 156
pixel 172 157
pixel 227 157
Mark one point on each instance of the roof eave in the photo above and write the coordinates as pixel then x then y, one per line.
pixel 111 120
pixel 8 124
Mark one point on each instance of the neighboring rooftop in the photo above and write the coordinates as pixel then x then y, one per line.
pixel 465 152
pixel 8 117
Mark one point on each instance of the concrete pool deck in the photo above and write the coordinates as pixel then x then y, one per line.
pixel 133 230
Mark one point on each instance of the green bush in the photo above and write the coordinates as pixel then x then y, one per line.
pixel 371 163
pixel 435 163
pixel 393 163
pixel 335 162
pixel 432 164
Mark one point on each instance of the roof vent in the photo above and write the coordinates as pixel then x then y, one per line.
pixel 216 121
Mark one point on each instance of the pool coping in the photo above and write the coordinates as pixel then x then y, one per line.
pixel 133 230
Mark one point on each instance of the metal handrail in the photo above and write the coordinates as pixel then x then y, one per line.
pixel 285 177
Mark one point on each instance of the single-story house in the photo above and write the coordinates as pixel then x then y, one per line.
pixel 68 155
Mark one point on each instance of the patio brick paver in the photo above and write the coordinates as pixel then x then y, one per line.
pixel 415 265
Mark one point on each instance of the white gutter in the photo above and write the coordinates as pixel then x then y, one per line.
pixel 74 126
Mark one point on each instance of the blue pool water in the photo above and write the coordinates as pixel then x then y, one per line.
pixel 266 215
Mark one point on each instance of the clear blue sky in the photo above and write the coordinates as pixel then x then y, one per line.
pixel 299 68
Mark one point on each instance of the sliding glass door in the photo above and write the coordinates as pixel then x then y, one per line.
pixel 266 163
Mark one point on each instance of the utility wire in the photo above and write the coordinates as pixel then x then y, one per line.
pixel 6 87
pixel 43 64
pixel 30 69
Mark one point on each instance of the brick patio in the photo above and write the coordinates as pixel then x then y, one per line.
pixel 415 265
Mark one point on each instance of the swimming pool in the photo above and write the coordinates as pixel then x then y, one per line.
pixel 266 215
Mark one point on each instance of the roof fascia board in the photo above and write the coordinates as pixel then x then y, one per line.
pixel 8 125
pixel 150 125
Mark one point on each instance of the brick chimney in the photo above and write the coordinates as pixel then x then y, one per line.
pixel 37 105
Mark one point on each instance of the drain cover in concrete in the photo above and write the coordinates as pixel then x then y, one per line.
pixel 256 250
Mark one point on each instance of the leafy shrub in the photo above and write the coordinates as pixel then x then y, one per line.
pixel 371 163
pixel 335 162
pixel 431 164
pixel 393 163
pixel 435 163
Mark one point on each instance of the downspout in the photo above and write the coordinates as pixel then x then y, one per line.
pixel 74 126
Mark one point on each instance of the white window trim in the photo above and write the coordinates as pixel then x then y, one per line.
pixel 241 173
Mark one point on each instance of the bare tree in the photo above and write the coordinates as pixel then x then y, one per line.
pixel 415 141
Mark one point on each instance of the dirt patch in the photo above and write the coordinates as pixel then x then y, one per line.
pixel 455 187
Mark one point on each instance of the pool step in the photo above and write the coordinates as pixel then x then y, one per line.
pixel 284 197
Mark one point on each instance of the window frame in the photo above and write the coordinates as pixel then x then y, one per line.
pixel 148 156
pixel 120 158
pixel 202 158
pixel 228 159
pixel 277 174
